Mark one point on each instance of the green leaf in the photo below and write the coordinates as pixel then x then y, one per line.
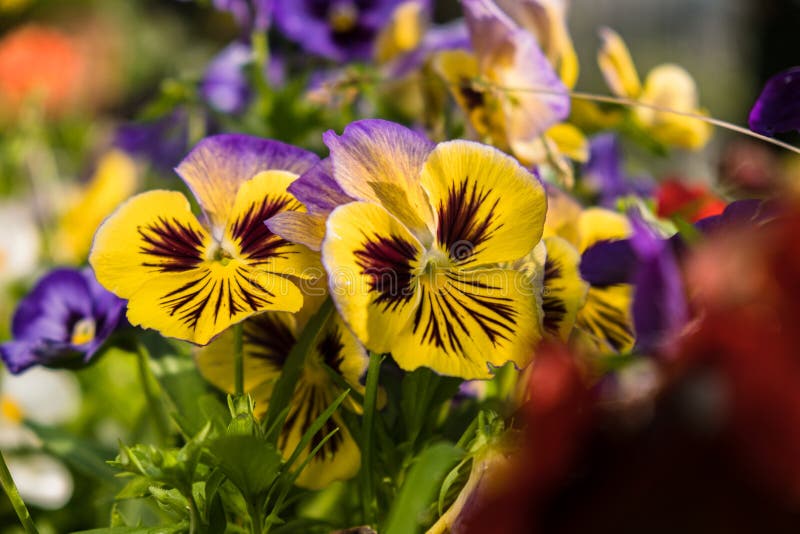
pixel 250 463
pixel 181 527
pixel 419 489
pixel 367 457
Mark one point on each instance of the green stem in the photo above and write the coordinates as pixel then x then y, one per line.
pixel 146 377
pixel 16 499
pixel 255 518
pixel 370 402
pixel 238 358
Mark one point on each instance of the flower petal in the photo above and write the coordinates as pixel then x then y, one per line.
pixel 257 200
pixel 606 319
pixel 317 189
pixel 598 224
pixel 380 161
pixel 777 109
pixel 298 227
pixel 489 209
pixel 218 165
pixel 617 66
pixel 468 320
pixel 564 290
pixel 371 260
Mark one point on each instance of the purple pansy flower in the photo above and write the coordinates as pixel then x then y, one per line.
pixel 604 172
pixel 163 141
pixel 777 109
pixel 341 30
pixel 225 86
pixel 62 322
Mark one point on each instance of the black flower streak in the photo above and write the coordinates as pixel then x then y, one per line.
pixel 461 231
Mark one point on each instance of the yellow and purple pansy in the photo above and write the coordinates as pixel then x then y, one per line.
pixel 268 338
pixel 418 263
pixel 191 279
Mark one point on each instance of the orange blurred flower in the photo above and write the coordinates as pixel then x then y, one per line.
pixel 690 201
pixel 40 62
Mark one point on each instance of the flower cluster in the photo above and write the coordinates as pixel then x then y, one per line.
pixel 404 274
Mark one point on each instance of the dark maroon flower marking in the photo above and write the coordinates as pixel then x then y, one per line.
pixel 257 243
pixel 461 231
pixel 266 337
pixel 553 307
pixel 441 310
pixel 178 246
pixel 387 262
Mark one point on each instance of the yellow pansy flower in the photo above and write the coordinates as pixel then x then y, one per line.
pixel 416 263
pixel 191 279
pixel 267 340
pixel 666 86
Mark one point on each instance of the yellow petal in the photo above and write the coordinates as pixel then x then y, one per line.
pixel 599 224
pixel 403 33
pixel 563 213
pixel 113 182
pixel 257 200
pixel 605 319
pixel 468 320
pixel 152 233
pixel 569 141
pixel 299 227
pixel 489 209
pixel 672 87
pixel 564 291
pixel 371 260
pixel 617 66
pixel 459 70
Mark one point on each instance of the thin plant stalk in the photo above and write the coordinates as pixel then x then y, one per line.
pixel 153 402
pixel 238 359
pixel 16 499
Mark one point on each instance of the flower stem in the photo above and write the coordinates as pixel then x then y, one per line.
pixel 16 499
pixel 155 405
pixel 370 402
pixel 238 358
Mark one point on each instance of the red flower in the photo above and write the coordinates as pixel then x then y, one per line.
pixel 692 202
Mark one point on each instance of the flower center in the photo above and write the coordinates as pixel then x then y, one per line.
pixel 221 252
pixel 343 17
pixel 435 266
pixel 83 331
pixel 10 409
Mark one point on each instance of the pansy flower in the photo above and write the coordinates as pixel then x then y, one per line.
pixel 508 57
pixel 666 86
pixel 62 322
pixel 268 339
pixel 341 30
pixel 415 264
pixel 574 293
pixel 777 109
pixel 191 279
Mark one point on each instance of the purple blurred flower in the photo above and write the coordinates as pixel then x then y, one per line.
pixel 778 106
pixel 225 86
pixel 163 142
pixel 659 299
pixel 62 322
pixel 452 36
pixel 250 15
pixel 341 30
pixel 605 175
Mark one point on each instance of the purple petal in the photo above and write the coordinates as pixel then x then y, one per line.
pixel 218 165
pixel 162 141
pixel 317 189
pixel 225 86
pixel 659 301
pixel 604 172
pixel 56 300
pixel 307 22
pixel 107 310
pixel 777 108
pixel 489 27
pixel 18 356
pixel 451 36
pixel 608 263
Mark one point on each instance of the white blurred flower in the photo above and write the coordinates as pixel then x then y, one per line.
pixel 46 397
pixel 19 249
